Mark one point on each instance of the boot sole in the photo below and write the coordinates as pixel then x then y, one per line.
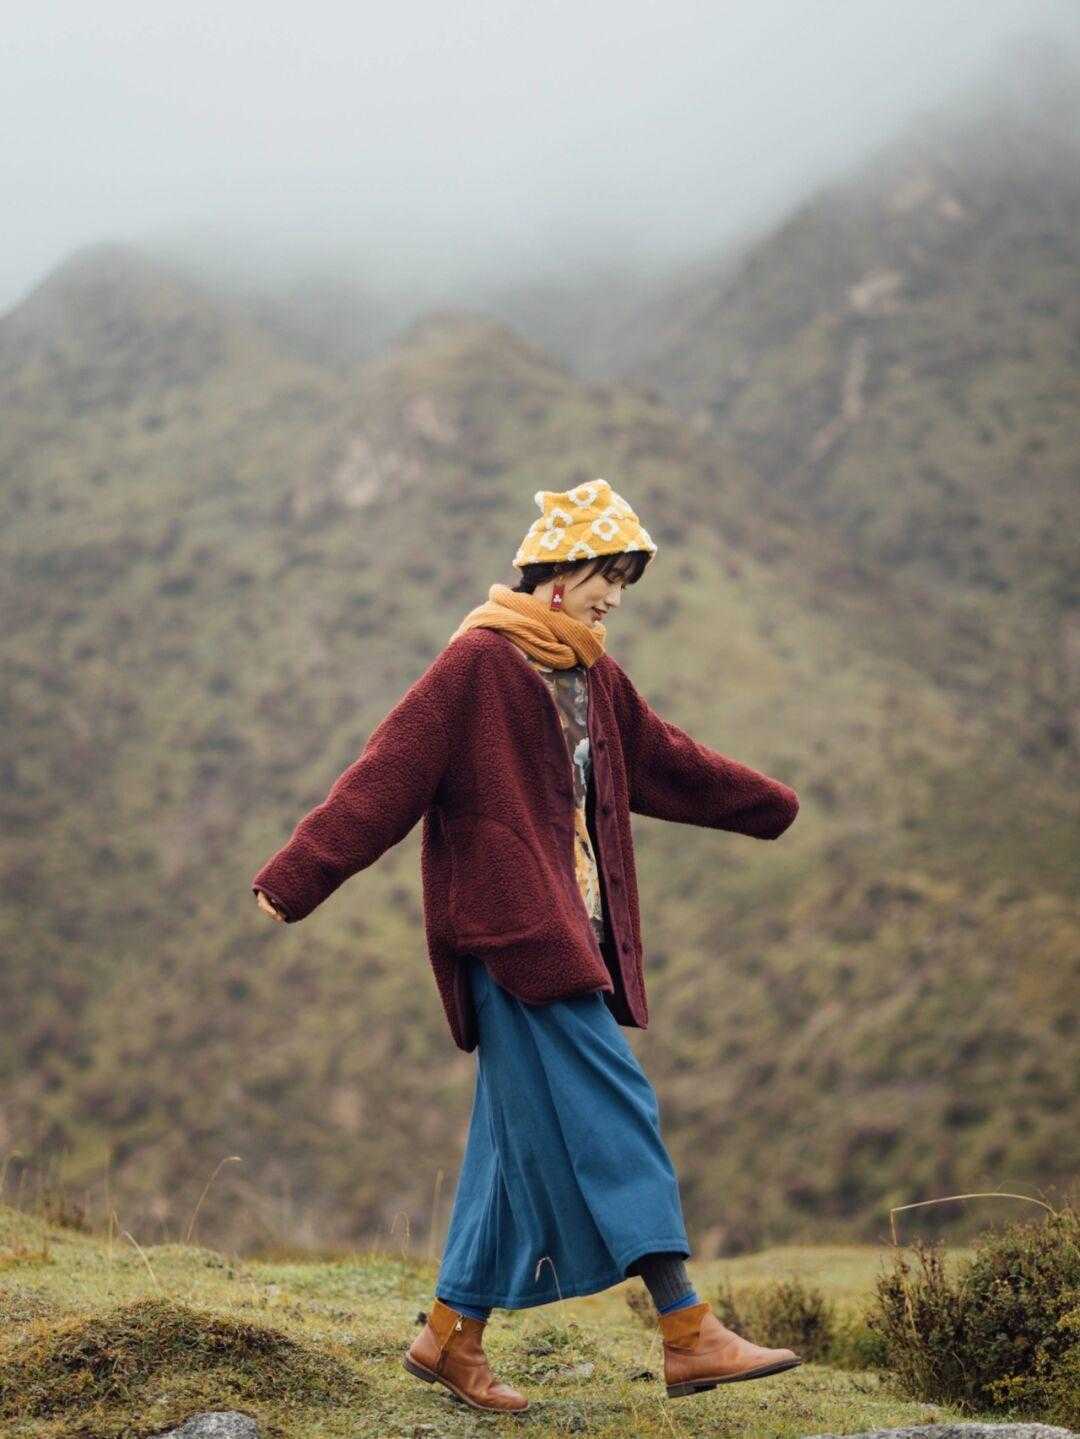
pixel 694 1386
pixel 431 1378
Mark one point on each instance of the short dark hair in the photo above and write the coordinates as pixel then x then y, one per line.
pixel 629 563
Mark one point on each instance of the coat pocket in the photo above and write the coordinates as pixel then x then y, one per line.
pixel 500 889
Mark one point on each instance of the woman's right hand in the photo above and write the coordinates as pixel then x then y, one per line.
pixel 270 909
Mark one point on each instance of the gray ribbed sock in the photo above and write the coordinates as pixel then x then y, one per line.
pixel 665 1277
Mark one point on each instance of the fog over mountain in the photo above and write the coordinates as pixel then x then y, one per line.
pixel 298 322
pixel 426 158
pixel 223 558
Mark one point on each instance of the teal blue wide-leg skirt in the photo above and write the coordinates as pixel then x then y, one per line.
pixel 565 1180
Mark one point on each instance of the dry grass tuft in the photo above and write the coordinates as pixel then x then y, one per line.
pixel 141 1352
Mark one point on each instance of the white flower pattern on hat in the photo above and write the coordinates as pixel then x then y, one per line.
pixel 556 516
pixel 606 524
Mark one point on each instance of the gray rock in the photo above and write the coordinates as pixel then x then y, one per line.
pixel 216 1424
pixel 960 1431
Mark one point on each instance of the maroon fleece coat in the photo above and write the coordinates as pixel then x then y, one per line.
pixel 475 747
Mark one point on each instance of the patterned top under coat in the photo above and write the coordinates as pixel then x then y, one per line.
pixel 569 690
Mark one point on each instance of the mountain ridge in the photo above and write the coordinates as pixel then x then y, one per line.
pixel 220 577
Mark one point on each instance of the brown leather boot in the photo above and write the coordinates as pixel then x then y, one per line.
pixel 448 1351
pixel 700 1352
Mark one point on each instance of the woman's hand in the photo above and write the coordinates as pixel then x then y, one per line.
pixel 270 909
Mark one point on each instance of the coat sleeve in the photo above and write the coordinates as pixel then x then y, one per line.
pixel 672 776
pixel 372 805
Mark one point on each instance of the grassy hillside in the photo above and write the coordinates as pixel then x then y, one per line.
pixel 900 358
pixel 313 1346
pixel 222 565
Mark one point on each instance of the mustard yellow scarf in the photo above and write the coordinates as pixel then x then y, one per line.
pixel 550 636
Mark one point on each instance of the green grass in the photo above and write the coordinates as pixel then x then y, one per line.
pixel 100 1336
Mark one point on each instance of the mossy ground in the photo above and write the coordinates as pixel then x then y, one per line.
pixel 101 1337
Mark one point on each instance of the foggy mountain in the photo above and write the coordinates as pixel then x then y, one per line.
pixel 230 542
pixel 901 358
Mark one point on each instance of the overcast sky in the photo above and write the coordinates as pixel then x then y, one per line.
pixel 448 139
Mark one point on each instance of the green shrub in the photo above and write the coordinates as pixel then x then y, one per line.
pixel 726 1308
pixel 855 1345
pixel 1003 1332
pixel 783 1314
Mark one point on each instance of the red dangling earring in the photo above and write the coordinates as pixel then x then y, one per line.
pixel 556 597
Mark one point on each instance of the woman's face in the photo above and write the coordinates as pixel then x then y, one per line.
pixel 586 597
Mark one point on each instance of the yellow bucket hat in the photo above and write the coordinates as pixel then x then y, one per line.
pixel 580 524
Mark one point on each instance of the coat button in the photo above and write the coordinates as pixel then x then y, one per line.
pixel 626 946
pixel 606 808
pixel 601 742
pixel 615 881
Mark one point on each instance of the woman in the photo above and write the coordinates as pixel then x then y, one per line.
pixel 525 748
